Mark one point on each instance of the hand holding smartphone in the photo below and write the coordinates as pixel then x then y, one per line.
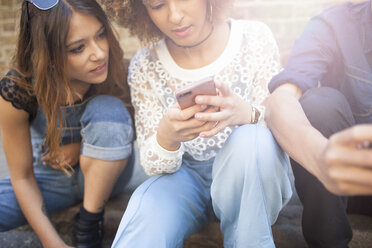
pixel 186 95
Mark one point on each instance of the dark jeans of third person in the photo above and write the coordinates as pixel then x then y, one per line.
pixel 324 219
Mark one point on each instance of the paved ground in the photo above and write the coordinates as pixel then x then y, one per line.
pixel 286 231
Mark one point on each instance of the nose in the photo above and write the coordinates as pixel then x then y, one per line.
pixel 175 13
pixel 97 52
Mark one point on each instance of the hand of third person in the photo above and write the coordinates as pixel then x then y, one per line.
pixel 346 163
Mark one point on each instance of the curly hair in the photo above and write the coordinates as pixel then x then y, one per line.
pixel 132 14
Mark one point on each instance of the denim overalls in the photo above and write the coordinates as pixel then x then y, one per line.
pixel 104 127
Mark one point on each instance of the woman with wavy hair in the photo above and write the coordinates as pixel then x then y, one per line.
pixel 217 156
pixel 65 120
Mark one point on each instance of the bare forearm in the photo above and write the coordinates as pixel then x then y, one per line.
pixel 291 128
pixel 16 140
pixel 32 205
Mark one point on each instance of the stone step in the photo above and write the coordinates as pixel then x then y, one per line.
pixel 286 231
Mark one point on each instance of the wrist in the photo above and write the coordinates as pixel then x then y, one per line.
pixel 166 143
pixel 246 113
pixel 52 240
pixel 315 152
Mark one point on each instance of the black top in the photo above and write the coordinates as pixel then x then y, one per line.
pixel 18 96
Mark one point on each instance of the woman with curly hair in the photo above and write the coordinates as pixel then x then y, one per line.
pixel 65 126
pixel 217 156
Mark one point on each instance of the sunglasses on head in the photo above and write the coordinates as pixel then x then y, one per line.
pixel 43 4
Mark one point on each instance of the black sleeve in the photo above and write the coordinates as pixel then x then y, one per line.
pixel 16 95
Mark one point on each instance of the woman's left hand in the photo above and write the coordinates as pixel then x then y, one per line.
pixel 233 110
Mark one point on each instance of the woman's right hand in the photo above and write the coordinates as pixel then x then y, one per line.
pixel 180 125
pixel 69 156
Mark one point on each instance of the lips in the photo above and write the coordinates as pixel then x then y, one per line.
pixel 100 68
pixel 182 32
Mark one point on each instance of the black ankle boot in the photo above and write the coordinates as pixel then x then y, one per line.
pixel 87 233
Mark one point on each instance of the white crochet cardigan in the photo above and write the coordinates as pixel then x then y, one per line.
pixel 249 61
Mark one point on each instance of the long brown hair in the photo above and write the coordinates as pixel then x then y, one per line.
pixel 41 54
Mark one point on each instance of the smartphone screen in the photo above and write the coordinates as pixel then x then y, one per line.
pixel 186 95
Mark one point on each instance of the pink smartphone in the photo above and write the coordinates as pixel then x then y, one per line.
pixel 186 95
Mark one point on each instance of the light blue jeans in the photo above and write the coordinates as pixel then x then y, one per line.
pixel 246 186
pixel 104 127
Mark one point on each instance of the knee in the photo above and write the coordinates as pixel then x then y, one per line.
pixel 242 139
pixel 106 117
pixel 107 130
pixel 250 140
pixel 247 146
pixel 327 110
pixel 104 108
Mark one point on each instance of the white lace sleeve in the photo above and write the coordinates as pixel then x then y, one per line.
pixel 148 113
pixel 267 67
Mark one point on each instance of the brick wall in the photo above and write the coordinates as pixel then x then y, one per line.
pixel 8 26
pixel 286 18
